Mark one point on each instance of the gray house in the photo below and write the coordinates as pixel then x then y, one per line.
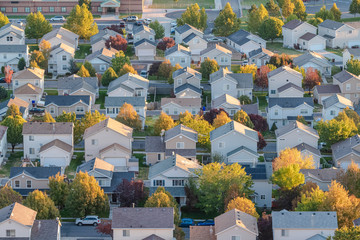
pixel 260 56
pixel 315 61
pixel 181 32
pixel 347 151
pixel 218 53
pixel 245 42
pixel 56 105
pixel 101 59
pixel 145 49
pixel 143 32
pixel 187 83
pixel 128 85
pixel 322 177
pixel 98 40
pixel 179 54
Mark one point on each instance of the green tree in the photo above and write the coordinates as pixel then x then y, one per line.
pixel 14 132
pixel 301 119
pixel 165 70
pixel 59 190
pixel 86 196
pixel 36 26
pixel 315 21
pixel 353 66
pixel 83 72
pixel 89 119
pixel 164 122
pixel 8 196
pixel 128 116
pixel 226 22
pixel 272 8
pixel 21 63
pixel 288 177
pixel 354 7
pixel 335 11
pixel 256 17
pixel 346 233
pixel 158 28
pixel 86 2
pixel 108 76
pixel 271 28
pixel 71 117
pixel 324 14
pixel 81 22
pixel 194 17
pixel 42 204
pixel 48 118
pixel 311 201
pixel 300 9
pixel 38 58
pixel 291 17
pixel 90 69
pixel 208 66
pixel 13 111
pixel 243 204
pixel 287 8
pixel 127 69
pixel 244 99
pixel 3 20
pixel 243 118
pixel 3 93
pixel 118 62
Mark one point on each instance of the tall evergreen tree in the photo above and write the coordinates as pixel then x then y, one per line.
pixel 194 17
pixel 36 26
pixel 227 22
pixel 81 22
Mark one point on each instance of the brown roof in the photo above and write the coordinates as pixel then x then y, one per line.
pixel 18 213
pixel 2 131
pixel 236 218
pixel 293 24
pixel 18 102
pixel 355 25
pixel 48 128
pixel 111 124
pixel 114 145
pixel 308 36
pixel 29 73
pixel 56 143
pixel 28 89
pixel 143 218
pixel 184 102
pixel 202 233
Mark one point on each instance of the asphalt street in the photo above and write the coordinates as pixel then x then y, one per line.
pixel 72 230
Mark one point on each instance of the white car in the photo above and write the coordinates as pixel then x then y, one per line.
pixel 57 18
pixel 173 24
pixel 88 220
pixel 131 18
pixel 147 21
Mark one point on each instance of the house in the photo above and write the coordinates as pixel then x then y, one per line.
pixel 309 151
pixel 59 60
pixel 303 225
pixel 75 85
pixel 335 104
pixel 22 105
pixel 349 85
pixel 178 54
pixel 11 54
pixel 3 142
pixel 230 104
pixel 235 225
pixel 18 222
pixel 145 49
pixel 113 105
pixel 234 142
pixel 175 106
pixel 25 180
pixel 315 61
pixel 56 105
pixel 285 82
pixel 345 152
pixel 218 53
pixel 234 84
pixel 322 177
pixel 10 34
pixel 295 29
pixel 260 56
pixel 128 85
pixel 101 59
pixel 196 44
pixel 29 93
pixel 110 141
pixel 321 92
pixel 185 30
pixel 283 110
pixel 173 174
pixel 245 42
pixel 348 52
pixel 143 223
pixel 356 222
pixel 202 233
pixel 61 35
pixel 179 140
pixel 34 76
pixel 187 83
pixel 105 175
pixel 98 40
pixel 52 143
pixel 143 32
pixel 312 42
pixel 338 34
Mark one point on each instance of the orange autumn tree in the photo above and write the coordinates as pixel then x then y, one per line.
pixel 8 75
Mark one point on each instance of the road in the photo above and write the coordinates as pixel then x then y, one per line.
pixel 313 7
pixel 71 230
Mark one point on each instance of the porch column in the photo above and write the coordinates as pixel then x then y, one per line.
pixel 117 10
pixel 103 10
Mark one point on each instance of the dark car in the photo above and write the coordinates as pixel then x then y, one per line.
pixel 208 222
pixel 36 110
pixel 122 24
pixel 2 80
pixel 130 36
pixel 139 23
pixel 187 222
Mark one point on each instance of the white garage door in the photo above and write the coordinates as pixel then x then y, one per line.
pixel 146 52
pixel 345 165
pixel 317 47
pixel 54 161
pixel 116 161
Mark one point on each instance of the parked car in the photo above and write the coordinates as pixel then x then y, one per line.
pixel 147 21
pixel 187 222
pixel 130 36
pixel 57 18
pixel 88 220
pixel 122 24
pixel 172 30
pixel 173 24
pixel 208 222
pixel 131 18
pixel 144 73
pixel 36 110
pixel 139 23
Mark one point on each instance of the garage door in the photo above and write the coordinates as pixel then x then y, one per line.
pixel 345 165
pixel 146 52
pixel 54 161
pixel 116 161
pixel 317 47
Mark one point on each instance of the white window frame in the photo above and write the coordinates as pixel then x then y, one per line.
pixel 221 145
pixel 126 233
pixel 180 145
pixel 10 233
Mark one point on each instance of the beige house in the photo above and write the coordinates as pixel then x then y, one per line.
pixel 260 56
pixel 29 93
pixel 56 105
pixel 349 85
pixel 187 83
pixel 98 40
pixel 350 52
pixel 338 34
pixel 313 60
pixel 101 59
pixel 143 32
pixel 311 41
pixel 322 177
pixel 345 152
pixel 61 35
pixel 179 54
pixel 218 53
pixel 245 42
pixel 321 92
pixel 145 49
pixel 59 60
pixel 181 32
pixel 196 44
pixel 33 76
pixel 295 29
pixel 230 104
pixel 175 106
pixel 285 82
pixel 129 85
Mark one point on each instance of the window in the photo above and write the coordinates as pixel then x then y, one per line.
pixel 32 150
pixel 10 233
pixel 284 233
pixel 222 59
pixel 64 57
pixel 5 56
pixel 94 141
pixel 232 112
pixel 179 82
pixel 102 182
pixel 99 9
pixel 235 237
pixel 80 109
pixel 52 9
pixel 126 233
pixel 37 83
pixel 276 112
pixel 16 82
pixel 348 87
pixel 28 184
pixel 175 111
pixel 27 9
pixel 15 10
pixel 31 138
pixel 273 92
pixel 39 9
pixel 52 110
pixel 303 43
pixel 138 93
pixel 303 111
pixel 178 183
pixel 332 112
pixel 102 67
pixel 3 9
pixel 9 39
pixel 64 67
pixel 159 156
pixel 166 110
pixel 17 183
pixel 180 145
pixel 193 111
pixel 221 144
pixel 182 60
pixel 350 32
pixel 226 87
pixel 20 55
pixel 262 197
pixel 159 182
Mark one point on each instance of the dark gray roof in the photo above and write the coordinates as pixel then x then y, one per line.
pixel 13 48
pixel 331 24
pixel 174 191
pixel 185 28
pixel 303 146
pixel 251 108
pixel 188 153
pixel 233 126
pixel 344 76
pixel 215 46
pixel 187 86
pixel 295 125
pixel 36 172
pixel 144 40
pixel 74 83
pixel 117 178
pixel 325 174
pixel 153 237
pixel 317 237
pixel 244 80
pixel 119 101
pixel 154 144
pixel 261 171
pixel 293 24
pixel 260 50
pixel 311 57
pixel 100 35
pixel 66 100
pixel 354 51
pixel 356 222
pixel 308 36
pixel 239 37
pixel 240 149
pixel 187 70
pixel 177 48
pixel 290 102
pixel 189 37
pixel 345 147
pixel 119 82
pixel 140 28
pixel 183 130
pixel 45 230
pixel 327 89
pixel 290 85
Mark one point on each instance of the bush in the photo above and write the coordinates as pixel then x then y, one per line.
pixel 244 100
pixel 335 70
pixel 3 93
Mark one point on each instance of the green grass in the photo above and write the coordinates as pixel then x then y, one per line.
pixel 33 47
pixel 248 3
pixel 335 51
pixel 277 47
pixel 124 15
pixel 182 4
pixel 206 96
pixel 52 92
pixel 149 129
pixel 101 99
pixel 235 68
pixel 130 52
pixel 353 19
pixel 71 169
pixel 141 159
pixel 269 134
pixel 46 16
pixel 262 103
pixel 83 51
pixel 13 161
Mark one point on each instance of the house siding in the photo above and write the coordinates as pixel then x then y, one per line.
pixel 282 79
pixel 294 138
pixel 141 233
pixel 235 231
pixel 301 234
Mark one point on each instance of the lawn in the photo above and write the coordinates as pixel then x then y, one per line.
pixel 235 68
pixel 13 161
pixel 353 19
pixel 335 51
pixel 33 47
pixel 83 51
pixel 101 99
pixel 51 92
pixel 248 3
pixel 149 127
pixel 182 4
pixel 71 169
pixel 277 47
pixel 195 214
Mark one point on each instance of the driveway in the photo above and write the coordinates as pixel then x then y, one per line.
pixel 338 59
pixel 71 231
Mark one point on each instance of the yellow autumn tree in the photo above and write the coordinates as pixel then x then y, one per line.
pixel 128 116
pixel 127 69
pixel 291 156
pixel 221 119
pixel 243 204
pixel 164 122
pixel 83 72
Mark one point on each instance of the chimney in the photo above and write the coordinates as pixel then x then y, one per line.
pixel 162 133
pixel 173 153
pixel 133 205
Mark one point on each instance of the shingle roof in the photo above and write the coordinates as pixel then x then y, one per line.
pixel 354 51
pixel 114 146
pixel 310 56
pixel 336 98
pixel 244 80
pixel 187 70
pixel 143 82
pixel 56 143
pixel 186 27
pixel 62 33
pixel 334 25
pixel 62 100
pixel 236 218
pixel 189 37
pixel 303 146
pixel 144 40
pixel 28 89
pixel 184 102
pixel 236 150
pixel 18 213
pixel 75 82
pixel 219 74
pixel 295 125
pixel 304 220
pixel 140 28
pixel 29 73
pixel 154 144
pixel 233 126
pixel 187 153
pixel 177 48
pixel 327 89
pixel 16 101
pixel 282 69
pixel 356 222
pixel 103 54
pixel 213 47
pixel 240 37
pixel 143 218
pixel 345 147
pixel 13 48
pixel 98 165
pixel 326 174
pixel 111 124
pixel 119 101
pixel 344 76
pixel 117 178
pixel 251 108
pixel 293 24
pixel 225 98
pixel 153 237
pixel 45 230
pixel 183 130
pixel 36 172
pixel 308 36
pixel 48 128
pixel 290 102
pixel 261 171
pixel 260 50
pixel 290 85
pixel 317 237
pixel 202 233
pixel 63 47
pixel 187 86
pixel 101 34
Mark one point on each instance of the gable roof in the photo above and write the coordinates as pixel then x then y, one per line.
pixel 354 51
pixel 334 25
pixel 181 129
pixel 345 147
pixel 28 89
pixel 13 49
pixel 186 27
pixel 284 68
pixel 295 125
pixel 202 233
pixel 344 76
pixel 219 74
pixel 111 124
pixel 48 128
pixel 190 37
pixel 98 165
pixel 306 147
pixel 18 213
pixel 142 27
pixel 290 102
pixel 16 101
pixel 290 85
pixel 308 36
pixel 119 82
pixel 336 98
pixel 225 98
pixel 327 89
pixel 56 143
pixel 29 73
pixel 234 126
pixel 154 144
pixel 187 86
pixel 177 48
pixel 255 52
pixel 293 24
pixel 75 82
pixel 243 80
pixel 45 229
pixel 63 47
pixel 317 237
pixel 187 70
pixel 103 54
pixel 325 174
pixel 241 37
pixel 119 101
pixel 153 237
pixel 35 172
pixel 64 101
pixel 184 102
pixel 101 35
pixel 309 57
pixel 12 26
pixel 217 47
pixel 236 218
pixel 239 149
pixel 261 171
pixel 62 33
pixel 144 40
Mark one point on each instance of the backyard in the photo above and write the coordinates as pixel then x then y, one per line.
pixel 101 99
pixel 83 51
pixel 182 4
pixel 13 161
pixel 71 169
pixel 277 47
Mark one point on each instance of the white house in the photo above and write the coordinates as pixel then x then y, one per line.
pixel 260 56
pixel 230 104
pixel 178 54
pixel 335 104
pixel 338 34
pixel 145 49
pixel 187 83
pixel 101 59
pixel 59 60
pixel 349 85
pixel 175 106
pixel 315 61
pixel 218 53
pixel 196 44
pixel 311 41
pixel 307 151
pixel 10 34
pixel 57 104
pixel 143 32
pixel 128 85
pixel 295 29
pixel 285 82
pixel 245 42
pixel 181 32
pixel 3 143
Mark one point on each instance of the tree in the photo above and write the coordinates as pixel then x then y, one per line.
pixel 311 201
pixel 45 48
pixel 3 93
pixel 248 69
pixel 173 69
pixel 165 70
pixel 81 22
pixel 128 116
pixel 108 76
pixel 104 227
pixel 83 72
pixel 212 114
pixel 324 14
pixel 353 66
pixel 291 17
pixel 21 64
pixel 287 8
pixel 261 79
pixel 71 117
pixel 13 111
pixel 164 122
pixel 118 62
pixel 8 196
pixel 73 68
pixel 86 2
pixel 226 22
pixel 243 118
pixel 158 28
pixel 288 177
pixel 244 99
pixel 207 67
pixel 302 120
pixel 350 179
pixel 312 79
pixel 42 204
pixel 354 7
pixel 192 198
pixel 166 43
pixel 8 75
pixel 271 28
pixel 90 69
pixel 129 193
pixel 290 156
pixel 346 233
pixel 260 123
pixel 272 8
pixel 335 11
pixel 59 190
pixel 127 69
pixel 261 143
pixel 88 120
pixel 256 17
pixel 243 204
pixel 315 21
pixel 300 10
pixel 280 60
pixel 194 17
pixel 39 59
pixel 3 20
pixel 221 119
pixel 36 26
pixel 48 118
pixel 117 42
pixel 118 29
pixel 86 196
pixel 265 227
pixel 14 132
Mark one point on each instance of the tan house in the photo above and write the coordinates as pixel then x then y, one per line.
pixel 321 92
pixel 98 40
pixel 345 152
pixel 33 76
pixel 101 59
pixel 145 49
pixel 29 93
pixel 128 85
pixel 56 105
pixel 218 53
pixel 181 32
pixel 59 60
pixel 61 35
pixel 187 83
pixel 349 85
pixel 311 41
pixel 143 32
pixel 335 104
pixel 338 34
pixel 322 177
pixel 350 52
pixel 285 82
pixel 295 29
pixel 175 106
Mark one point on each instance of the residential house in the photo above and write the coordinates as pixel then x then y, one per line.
pixel 313 60
pixel 312 42
pixel 143 223
pixel 356 222
pixel 235 225
pixel 50 142
pixel 295 29
pixel 309 151
pixel 234 142
pixel 218 53
pixel 245 42
pixel 350 52
pixel 56 105
pixel 322 177
pixel 196 44
pixel 98 40
pixel 230 104
pixel 179 140
pixel 335 104
pixel 11 54
pixel 105 175
pixel 338 34
pixel 234 84
pixel 260 56
pixel 283 110
pixel 113 105
pixel 10 34
pixel 187 83
pixel 59 60
pixel 175 106
pixel 321 92
pixel 346 151
pixel 145 49
pixel 75 85
pixel 285 82
pixel 101 59
pixel 62 35
pixel 202 233
pixel 110 141
pixel 173 174
pixel 181 32
pixel 349 85
pixel 33 76
pixel 143 32
pixel 3 143
pixel 29 93
pixel 25 180
pixel 303 225
pixel 178 54
pixel 129 85
pixel 21 104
